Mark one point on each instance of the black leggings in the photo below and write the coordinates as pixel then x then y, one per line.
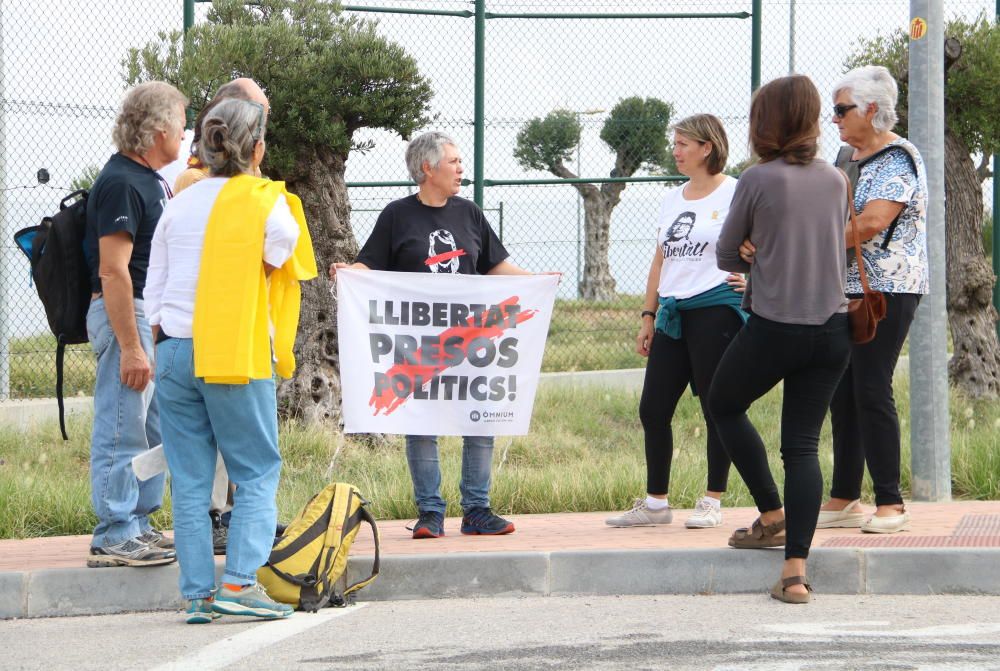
pixel 811 360
pixel 672 365
pixel 863 410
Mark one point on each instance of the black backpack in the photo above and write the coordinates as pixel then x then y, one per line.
pixel 62 278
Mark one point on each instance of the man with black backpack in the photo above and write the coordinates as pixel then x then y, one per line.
pixel 123 209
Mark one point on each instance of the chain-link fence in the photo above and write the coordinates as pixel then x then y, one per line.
pixel 61 78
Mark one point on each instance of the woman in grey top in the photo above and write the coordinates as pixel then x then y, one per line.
pixel 792 207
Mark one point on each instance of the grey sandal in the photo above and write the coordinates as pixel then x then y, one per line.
pixel 759 536
pixel 778 591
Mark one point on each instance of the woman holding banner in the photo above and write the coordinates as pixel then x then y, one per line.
pixel 435 231
pixel 690 315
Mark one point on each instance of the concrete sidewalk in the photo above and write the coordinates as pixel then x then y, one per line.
pixel 950 548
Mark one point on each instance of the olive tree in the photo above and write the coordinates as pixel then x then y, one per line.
pixel 972 128
pixel 326 77
pixel 636 131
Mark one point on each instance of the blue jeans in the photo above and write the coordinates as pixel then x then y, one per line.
pixel 126 424
pixel 477 458
pixel 199 420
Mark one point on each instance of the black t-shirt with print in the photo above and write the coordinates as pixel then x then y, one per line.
pixel 412 237
pixel 127 196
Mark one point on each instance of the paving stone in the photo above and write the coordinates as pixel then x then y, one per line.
pixel 933 571
pixel 452 575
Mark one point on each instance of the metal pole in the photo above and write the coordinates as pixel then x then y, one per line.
pixel 996 220
pixel 188 14
pixel 755 25
pixel 929 414
pixel 500 210
pixel 480 103
pixel 5 263
pixel 579 207
pixel 996 236
pixel 791 37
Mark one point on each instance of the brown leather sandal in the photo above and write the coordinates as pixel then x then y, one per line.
pixel 759 536
pixel 778 591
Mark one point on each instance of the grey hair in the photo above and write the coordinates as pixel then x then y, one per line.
pixel 872 84
pixel 229 134
pixel 428 147
pixel 146 110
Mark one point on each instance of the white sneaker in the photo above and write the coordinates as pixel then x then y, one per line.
pixel 851 517
pixel 705 516
pixel 641 516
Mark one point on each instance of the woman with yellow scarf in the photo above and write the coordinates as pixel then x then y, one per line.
pixel 223 299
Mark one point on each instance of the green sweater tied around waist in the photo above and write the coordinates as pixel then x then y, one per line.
pixel 668 317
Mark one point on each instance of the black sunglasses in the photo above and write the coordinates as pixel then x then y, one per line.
pixel 840 111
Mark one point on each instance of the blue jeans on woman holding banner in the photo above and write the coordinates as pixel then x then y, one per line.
pixel 425 470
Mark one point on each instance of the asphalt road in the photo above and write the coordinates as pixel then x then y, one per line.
pixel 840 633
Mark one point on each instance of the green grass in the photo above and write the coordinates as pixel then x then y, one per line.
pixel 584 453
pixel 593 336
pixel 33 368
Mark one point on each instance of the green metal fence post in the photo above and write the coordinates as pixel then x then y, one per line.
pixel 188 14
pixel 500 209
pixel 755 26
pixel 478 161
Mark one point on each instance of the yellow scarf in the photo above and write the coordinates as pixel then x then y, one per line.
pixel 232 301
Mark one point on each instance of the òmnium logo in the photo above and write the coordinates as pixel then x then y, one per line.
pixel 474 415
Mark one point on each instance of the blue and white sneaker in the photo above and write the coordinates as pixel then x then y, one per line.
pixel 251 600
pixel 200 612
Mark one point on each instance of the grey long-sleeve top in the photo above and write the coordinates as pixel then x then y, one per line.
pixel 795 215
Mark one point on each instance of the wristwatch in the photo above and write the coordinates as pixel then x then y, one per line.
pixel 649 313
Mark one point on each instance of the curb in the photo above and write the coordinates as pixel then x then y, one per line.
pixel 919 571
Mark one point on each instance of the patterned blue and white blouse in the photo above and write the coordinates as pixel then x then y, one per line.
pixel 901 268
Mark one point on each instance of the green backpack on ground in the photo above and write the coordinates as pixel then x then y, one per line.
pixel 310 558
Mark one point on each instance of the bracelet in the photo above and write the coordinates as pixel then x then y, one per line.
pixel 649 313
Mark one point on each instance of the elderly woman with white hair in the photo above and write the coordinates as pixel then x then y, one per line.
pixel 436 231
pixel 890 196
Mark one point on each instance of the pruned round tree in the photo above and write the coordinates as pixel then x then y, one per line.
pixel 326 77
pixel 636 131
pixel 972 127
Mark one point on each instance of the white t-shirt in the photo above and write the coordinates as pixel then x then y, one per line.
pixel 175 259
pixel 686 236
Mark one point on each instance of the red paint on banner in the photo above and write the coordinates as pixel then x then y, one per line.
pixel 388 402
pixel 447 256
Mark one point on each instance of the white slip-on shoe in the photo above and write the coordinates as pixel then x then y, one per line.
pixel 851 517
pixel 887 525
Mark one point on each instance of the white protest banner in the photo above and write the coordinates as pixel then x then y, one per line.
pixel 429 354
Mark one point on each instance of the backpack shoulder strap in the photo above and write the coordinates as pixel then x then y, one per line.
pixel 366 516
pixel 844 156
pixel 60 357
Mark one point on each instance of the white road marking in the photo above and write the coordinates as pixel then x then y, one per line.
pixel 234 648
pixel 870 630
